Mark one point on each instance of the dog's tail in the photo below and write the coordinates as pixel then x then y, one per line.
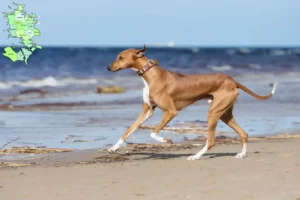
pixel 245 89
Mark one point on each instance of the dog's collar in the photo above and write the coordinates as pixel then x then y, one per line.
pixel 148 66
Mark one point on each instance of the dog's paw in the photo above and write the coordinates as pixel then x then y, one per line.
pixel 241 155
pixel 193 158
pixel 112 149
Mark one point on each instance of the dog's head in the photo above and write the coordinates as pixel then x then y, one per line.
pixel 126 59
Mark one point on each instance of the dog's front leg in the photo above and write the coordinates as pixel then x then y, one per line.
pixel 147 112
pixel 168 116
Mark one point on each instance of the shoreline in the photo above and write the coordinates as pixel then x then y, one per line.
pixel 25 156
pixel 101 126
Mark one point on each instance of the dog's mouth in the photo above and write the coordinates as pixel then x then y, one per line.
pixel 112 70
pixel 116 70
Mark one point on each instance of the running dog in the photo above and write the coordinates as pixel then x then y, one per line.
pixel 172 92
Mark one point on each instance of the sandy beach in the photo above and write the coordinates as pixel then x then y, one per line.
pixel 271 171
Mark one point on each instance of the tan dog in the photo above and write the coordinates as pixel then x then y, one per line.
pixel 171 92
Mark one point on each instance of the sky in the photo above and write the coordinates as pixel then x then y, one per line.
pixel 159 22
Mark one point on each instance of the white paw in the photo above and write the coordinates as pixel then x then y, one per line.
pixel 160 139
pixel 116 146
pixel 241 155
pixel 193 158
pixel 113 149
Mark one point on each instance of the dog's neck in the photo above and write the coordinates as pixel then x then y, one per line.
pixel 148 75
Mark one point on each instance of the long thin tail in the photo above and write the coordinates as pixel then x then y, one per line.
pixel 245 89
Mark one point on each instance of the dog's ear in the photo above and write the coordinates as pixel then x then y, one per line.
pixel 140 53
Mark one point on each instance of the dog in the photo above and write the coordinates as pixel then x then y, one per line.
pixel 172 92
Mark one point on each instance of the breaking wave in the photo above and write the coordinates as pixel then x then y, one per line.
pixel 48 82
pixel 221 68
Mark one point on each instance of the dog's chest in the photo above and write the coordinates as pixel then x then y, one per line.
pixel 146 93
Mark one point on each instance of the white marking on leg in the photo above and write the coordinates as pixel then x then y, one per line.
pixel 243 154
pixel 200 153
pixel 146 92
pixel 121 141
pixel 158 138
pixel 117 145
pixel 146 99
pixel 274 88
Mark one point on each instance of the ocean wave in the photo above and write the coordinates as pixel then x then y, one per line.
pixel 194 50
pixel 221 68
pixel 254 66
pixel 56 63
pixel 278 53
pixel 48 82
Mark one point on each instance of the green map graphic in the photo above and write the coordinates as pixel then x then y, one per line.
pixel 21 26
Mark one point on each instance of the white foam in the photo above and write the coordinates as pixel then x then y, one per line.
pixel 194 50
pixel 221 68
pixel 254 66
pixel 48 81
pixel 278 53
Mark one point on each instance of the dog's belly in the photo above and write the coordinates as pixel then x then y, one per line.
pixel 183 100
pixel 183 103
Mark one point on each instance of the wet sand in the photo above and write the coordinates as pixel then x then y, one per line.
pixel 271 171
pixel 102 126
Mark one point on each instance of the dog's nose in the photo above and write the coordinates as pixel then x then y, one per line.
pixel 109 68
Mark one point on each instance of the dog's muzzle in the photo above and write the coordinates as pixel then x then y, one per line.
pixel 109 68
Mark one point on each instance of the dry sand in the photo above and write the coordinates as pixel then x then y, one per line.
pixel 271 171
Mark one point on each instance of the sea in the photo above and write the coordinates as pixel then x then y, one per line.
pixel 77 67
pixel 71 108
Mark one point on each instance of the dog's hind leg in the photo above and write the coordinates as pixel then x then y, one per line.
pixel 219 106
pixel 146 113
pixel 228 119
pixel 212 124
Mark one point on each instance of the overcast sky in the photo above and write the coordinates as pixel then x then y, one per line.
pixel 186 22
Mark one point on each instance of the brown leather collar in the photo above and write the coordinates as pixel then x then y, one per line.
pixel 148 66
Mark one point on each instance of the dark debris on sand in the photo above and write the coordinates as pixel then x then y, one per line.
pixel 158 147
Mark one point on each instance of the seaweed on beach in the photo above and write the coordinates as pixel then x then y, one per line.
pixel 159 147
pixel 29 150
pixel 14 165
pixel 111 158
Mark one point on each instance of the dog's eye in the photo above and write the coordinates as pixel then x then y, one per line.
pixel 121 57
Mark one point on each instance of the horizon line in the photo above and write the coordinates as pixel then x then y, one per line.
pixel 163 46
